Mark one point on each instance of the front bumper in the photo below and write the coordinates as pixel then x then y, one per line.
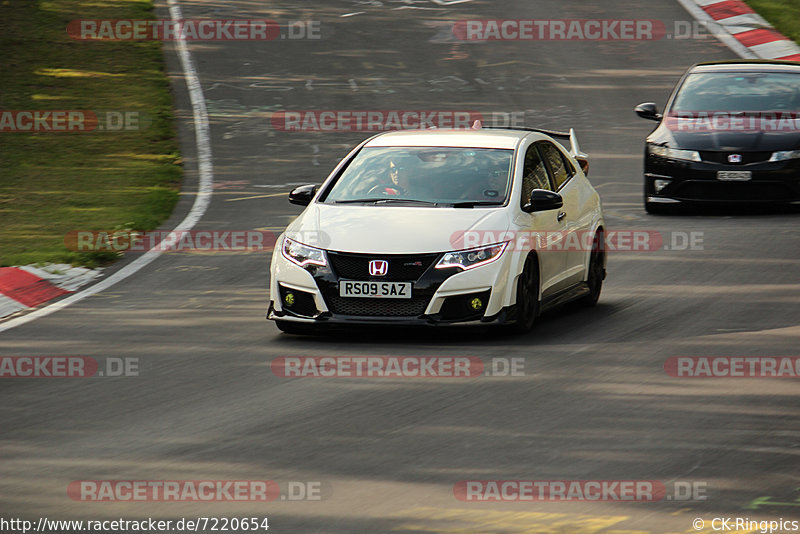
pixel 697 182
pixel 327 319
pixel 439 296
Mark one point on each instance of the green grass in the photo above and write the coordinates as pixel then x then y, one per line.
pixel 52 183
pixel 783 14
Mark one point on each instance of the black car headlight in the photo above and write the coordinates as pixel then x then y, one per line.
pixel 301 254
pixel 784 155
pixel 674 153
pixel 471 258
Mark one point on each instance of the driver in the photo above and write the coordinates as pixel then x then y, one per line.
pixel 398 185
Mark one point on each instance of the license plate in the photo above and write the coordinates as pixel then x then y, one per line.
pixel 734 176
pixel 381 290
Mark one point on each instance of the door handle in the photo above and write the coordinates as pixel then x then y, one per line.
pixel 561 215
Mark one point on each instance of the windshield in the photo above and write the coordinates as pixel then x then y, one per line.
pixel 730 91
pixel 425 176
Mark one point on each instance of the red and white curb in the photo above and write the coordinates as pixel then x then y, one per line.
pixel 751 31
pixel 22 288
pixel 205 168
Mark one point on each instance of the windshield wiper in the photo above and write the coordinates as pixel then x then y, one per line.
pixel 473 203
pixel 386 201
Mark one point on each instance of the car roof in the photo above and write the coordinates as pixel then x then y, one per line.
pixel 479 138
pixel 747 66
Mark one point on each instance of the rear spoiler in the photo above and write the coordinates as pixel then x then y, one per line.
pixel 574 148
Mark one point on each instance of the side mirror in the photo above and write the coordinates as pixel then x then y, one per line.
pixel 648 110
pixel 543 200
pixel 302 195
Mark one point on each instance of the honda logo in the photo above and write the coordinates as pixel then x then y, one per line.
pixel 734 158
pixel 378 267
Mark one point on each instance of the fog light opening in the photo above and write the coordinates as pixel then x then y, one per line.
pixel 476 304
pixel 659 184
pixel 289 299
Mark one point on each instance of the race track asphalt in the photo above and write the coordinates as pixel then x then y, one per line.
pixel 594 402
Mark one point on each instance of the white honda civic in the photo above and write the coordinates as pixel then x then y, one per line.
pixel 429 227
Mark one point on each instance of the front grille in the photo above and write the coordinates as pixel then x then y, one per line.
pixel 747 157
pixel 757 191
pixel 401 268
pixel 376 307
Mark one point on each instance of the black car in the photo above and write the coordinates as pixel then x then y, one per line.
pixel 730 133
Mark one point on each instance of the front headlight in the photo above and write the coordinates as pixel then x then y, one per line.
pixel 674 153
pixel 301 254
pixel 784 155
pixel 474 257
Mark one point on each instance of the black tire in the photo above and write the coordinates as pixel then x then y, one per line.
pixel 597 271
pixel 527 296
pixel 289 327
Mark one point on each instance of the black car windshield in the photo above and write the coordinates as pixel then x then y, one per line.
pixel 739 91
pixel 425 176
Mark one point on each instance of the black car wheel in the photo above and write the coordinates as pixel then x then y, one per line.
pixel 597 271
pixel 527 296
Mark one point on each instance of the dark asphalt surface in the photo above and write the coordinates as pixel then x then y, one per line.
pixel 595 402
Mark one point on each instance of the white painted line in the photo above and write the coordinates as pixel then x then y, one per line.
pixel 64 275
pixel 9 306
pixel 733 30
pixel 750 21
pixel 201 201
pixel 776 49
pixel 729 40
pixel 708 2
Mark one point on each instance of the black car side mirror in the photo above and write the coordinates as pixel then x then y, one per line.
pixel 648 110
pixel 302 195
pixel 543 200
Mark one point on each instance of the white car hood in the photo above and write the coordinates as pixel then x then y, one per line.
pixel 392 229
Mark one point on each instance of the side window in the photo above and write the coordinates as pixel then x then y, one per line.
pixel 561 169
pixel 534 174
